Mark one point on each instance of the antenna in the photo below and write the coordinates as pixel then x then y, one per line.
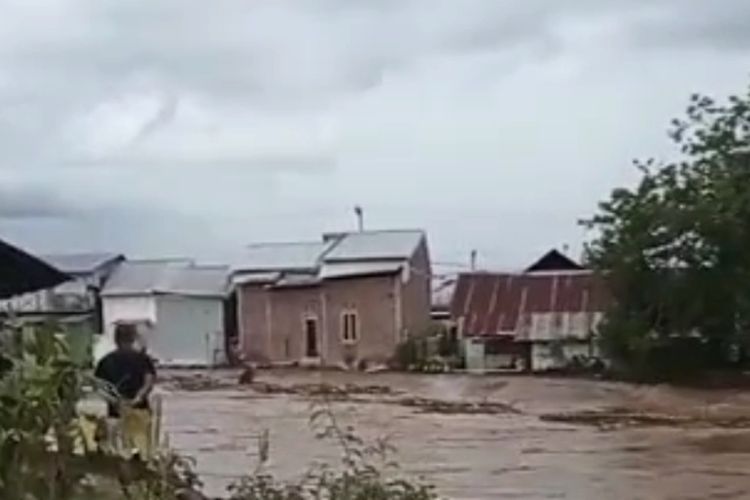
pixel 360 218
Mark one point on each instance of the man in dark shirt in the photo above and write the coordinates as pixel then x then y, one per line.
pixel 128 370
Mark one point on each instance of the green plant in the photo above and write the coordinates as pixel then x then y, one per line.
pixel 673 249
pixel 39 389
pixel 43 451
pixel 365 471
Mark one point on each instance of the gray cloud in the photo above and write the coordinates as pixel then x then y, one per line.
pixel 130 122
pixel 33 202
pixel 694 24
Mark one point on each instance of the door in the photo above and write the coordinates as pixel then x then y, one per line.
pixel 311 337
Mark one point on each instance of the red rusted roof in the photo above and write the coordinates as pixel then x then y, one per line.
pixel 491 304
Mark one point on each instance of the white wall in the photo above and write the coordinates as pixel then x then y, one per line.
pixel 116 309
pixel 474 354
pixel 549 326
pixel 544 357
pixel 189 331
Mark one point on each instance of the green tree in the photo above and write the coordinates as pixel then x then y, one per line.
pixel 675 249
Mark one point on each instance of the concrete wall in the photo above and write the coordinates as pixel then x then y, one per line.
pixel 551 326
pixel 272 328
pixel 290 307
pixel 135 308
pixel 550 355
pixel 474 354
pixel 374 300
pixel 254 309
pixel 189 331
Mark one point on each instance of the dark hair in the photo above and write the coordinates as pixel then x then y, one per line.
pixel 125 334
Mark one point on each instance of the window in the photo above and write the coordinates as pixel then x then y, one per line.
pixel 349 327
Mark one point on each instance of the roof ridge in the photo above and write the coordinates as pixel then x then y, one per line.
pixel 284 243
pixel 381 231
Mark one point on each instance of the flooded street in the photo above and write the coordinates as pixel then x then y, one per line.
pixel 475 454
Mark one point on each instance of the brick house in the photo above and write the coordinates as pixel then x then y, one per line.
pixel 351 297
pixel 538 319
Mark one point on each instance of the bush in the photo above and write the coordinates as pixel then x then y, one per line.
pixel 365 472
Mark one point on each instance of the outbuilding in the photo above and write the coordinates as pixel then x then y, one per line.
pixel 178 307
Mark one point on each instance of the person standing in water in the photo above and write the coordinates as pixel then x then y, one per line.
pixel 131 373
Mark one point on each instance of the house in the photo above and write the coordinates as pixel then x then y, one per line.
pixel 349 298
pixel 177 305
pixel 22 273
pixel 72 305
pixel 78 294
pixel 538 319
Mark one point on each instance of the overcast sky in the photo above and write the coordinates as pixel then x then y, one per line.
pixel 193 127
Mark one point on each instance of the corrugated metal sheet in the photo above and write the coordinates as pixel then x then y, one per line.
pixel 197 280
pixel 332 270
pixel 373 245
pixel 81 263
pixel 21 272
pixel 338 256
pixel 442 292
pixel 281 256
pixel 174 277
pixel 256 278
pixel 493 304
pixel 291 280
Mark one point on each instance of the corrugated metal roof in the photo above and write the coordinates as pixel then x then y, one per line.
pixel 374 245
pixel 281 256
pixel 442 291
pixel 333 270
pixel 172 277
pixel 21 272
pixel 339 255
pixel 80 263
pixel 493 303
pixel 257 278
pixel 291 280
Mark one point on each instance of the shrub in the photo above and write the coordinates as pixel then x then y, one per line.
pixel 365 472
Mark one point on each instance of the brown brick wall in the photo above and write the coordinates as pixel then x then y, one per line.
pixel 252 322
pixel 373 299
pixel 272 321
pixel 290 307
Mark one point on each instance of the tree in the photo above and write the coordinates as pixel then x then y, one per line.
pixel 676 248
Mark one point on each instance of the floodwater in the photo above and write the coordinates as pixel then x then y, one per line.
pixel 478 456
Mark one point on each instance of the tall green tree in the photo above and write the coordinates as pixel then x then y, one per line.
pixel 675 248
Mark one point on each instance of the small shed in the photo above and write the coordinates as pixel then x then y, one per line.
pixel 540 319
pixel 177 305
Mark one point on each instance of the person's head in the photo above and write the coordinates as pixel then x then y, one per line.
pixel 125 336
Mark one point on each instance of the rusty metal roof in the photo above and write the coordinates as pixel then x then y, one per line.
pixel 492 304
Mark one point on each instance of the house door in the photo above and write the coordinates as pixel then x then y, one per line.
pixel 311 338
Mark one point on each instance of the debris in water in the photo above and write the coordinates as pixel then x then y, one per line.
pixel 426 405
pixel 247 376
pixel 615 418
pixel 322 389
pixel 196 382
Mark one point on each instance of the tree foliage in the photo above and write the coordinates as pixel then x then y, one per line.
pixel 675 249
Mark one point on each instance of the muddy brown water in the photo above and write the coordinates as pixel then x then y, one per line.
pixel 477 456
